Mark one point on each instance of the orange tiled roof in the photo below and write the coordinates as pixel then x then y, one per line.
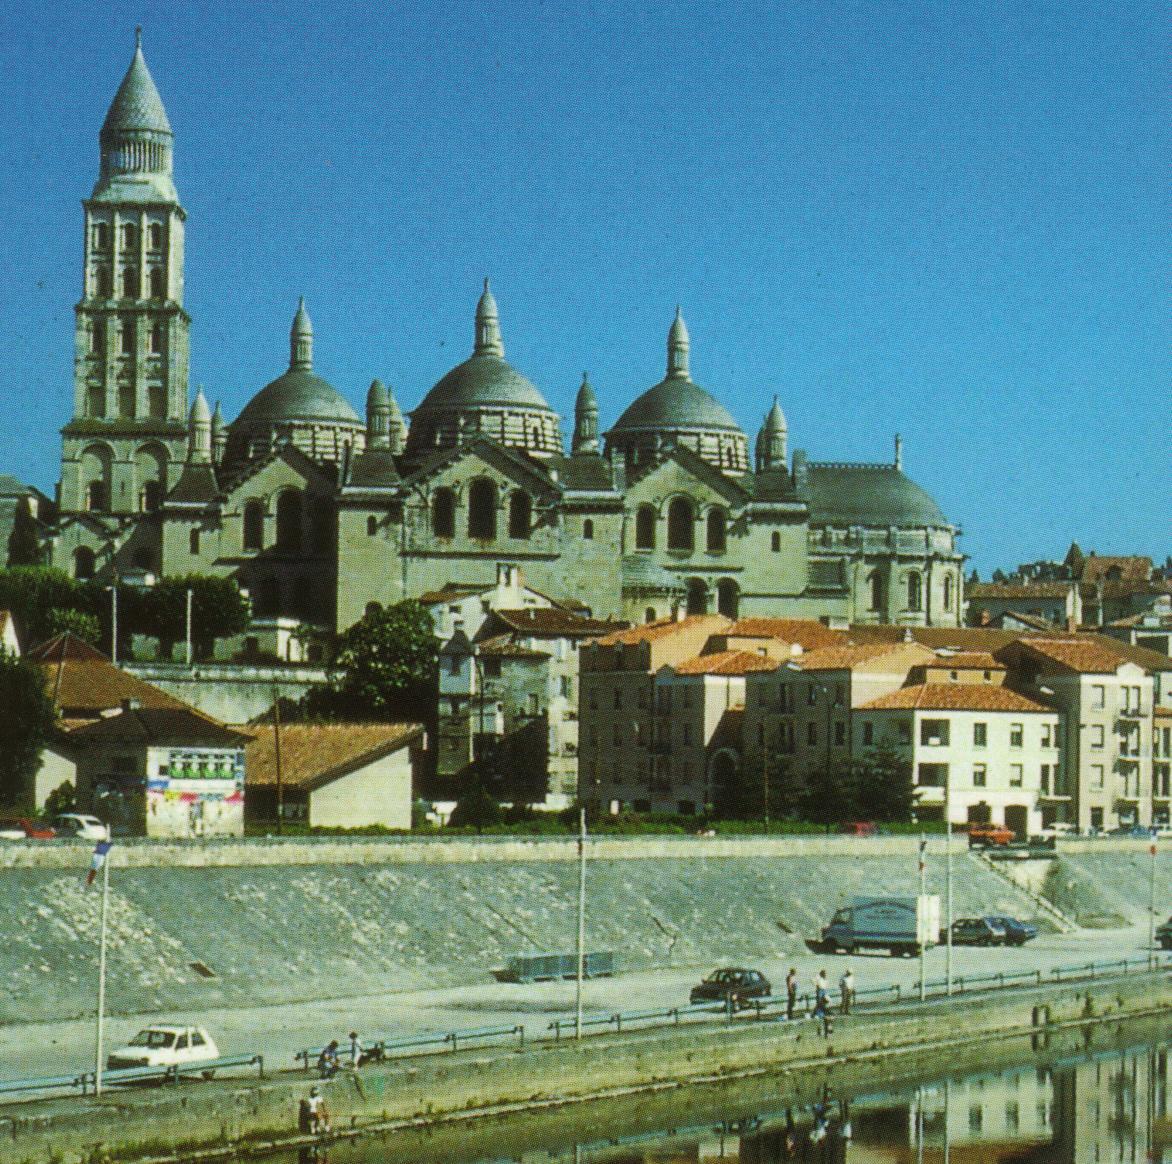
pixel 842 658
pixel 1084 655
pixel 313 754
pixel 726 663
pixel 551 620
pixel 1130 568
pixel 806 632
pixel 650 631
pixel 967 661
pixel 957 638
pixel 954 697
pixel 1162 712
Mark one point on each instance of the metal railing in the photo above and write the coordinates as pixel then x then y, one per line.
pixel 376 1050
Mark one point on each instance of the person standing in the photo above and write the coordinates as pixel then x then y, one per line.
pixel 846 986
pixel 355 1049
pixel 791 992
pixel 821 994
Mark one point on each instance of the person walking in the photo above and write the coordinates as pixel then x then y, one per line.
pixel 846 987
pixel 791 992
pixel 821 994
pixel 317 1118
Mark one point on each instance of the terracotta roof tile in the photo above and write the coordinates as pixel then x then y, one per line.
pixel 954 697
pixel 650 631
pixel 1133 568
pixel 967 661
pixel 313 754
pixel 550 620
pixel 1085 655
pixel 807 633
pixel 726 663
pixel 502 646
pixel 158 726
pixel 849 655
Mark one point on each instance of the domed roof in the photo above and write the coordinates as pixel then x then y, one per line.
pixel 297 395
pixel 483 379
pixel 674 403
pixel 137 104
pixel 874 495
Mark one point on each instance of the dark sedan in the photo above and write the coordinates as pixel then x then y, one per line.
pixel 731 982
pixel 1017 932
pixel 976 931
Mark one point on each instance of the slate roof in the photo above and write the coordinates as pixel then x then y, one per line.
pixel 137 104
pixel 197 485
pixel 583 472
pixel 954 697
pixel 373 469
pixel 868 495
pixel 158 726
pixel 313 754
pixel 726 663
pixel 483 379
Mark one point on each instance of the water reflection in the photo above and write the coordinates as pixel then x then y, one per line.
pixel 1105 1107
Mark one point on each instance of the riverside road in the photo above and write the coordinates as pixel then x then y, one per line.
pixel 278 1032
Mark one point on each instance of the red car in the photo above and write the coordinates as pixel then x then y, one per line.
pixel 23 829
pixel 990 834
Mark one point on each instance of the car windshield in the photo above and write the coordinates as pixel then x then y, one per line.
pixel 153 1039
pixel 719 976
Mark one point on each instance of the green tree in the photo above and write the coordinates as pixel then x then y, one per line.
pixel 218 610
pixel 63 798
pixel 33 593
pixel 27 717
pixel 79 623
pixel 832 795
pixel 476 808
pixel 886 789
pixel 384 669
pixel 788 787
pixel 24 547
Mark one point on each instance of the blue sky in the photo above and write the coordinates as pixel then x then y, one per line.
pixel 943 220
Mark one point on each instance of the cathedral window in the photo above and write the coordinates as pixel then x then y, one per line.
pixel 680 525
pixel 289 513
pixel 254 525
pixel 947 596
pixel 101 236
pixel 126 400
pixel 775 542
pixel 83 563
pixel 96 400
pixel 129 236
pixel 155 342
pixel 482 510
pixel 587 530
pixel 520 515
pixel 158 278
pixel 645 528
pixel 155 236
pixel 97 335
pixel 915 591
pixel 129 283
pixel 156 401
pixel 95 496
pixel 697 601
pixel 443 513
pixel 126 338
pixel 727 597
pixel 193 540
pixel 151 496
pixel 717 531
pixel 104 283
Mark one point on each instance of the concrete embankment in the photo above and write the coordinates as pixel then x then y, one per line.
pixel 252 923
pixel 257 1113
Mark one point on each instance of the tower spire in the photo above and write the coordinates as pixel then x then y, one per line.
pixel 199 440
pixel 678 344
pixel 488 326
pixel 301 340
pixel 585 419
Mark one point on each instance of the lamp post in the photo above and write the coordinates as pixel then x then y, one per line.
pixel 581 968
pixel 948 881
pixel 1152 903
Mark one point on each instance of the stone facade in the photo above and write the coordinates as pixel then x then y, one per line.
pixel 666 509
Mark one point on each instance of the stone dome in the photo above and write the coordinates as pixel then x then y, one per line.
pixel 483 380
pixel 676 404
pixel 869 495
pixel 297 395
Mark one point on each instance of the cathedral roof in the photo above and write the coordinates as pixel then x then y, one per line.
pixel 483 379
pixel 874 495
pixel 297 395
pixel 137 104
pixel 676 403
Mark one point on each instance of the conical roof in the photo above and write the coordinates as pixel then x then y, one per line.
pixel 137 105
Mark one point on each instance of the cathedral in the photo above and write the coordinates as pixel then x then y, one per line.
pixel 668 509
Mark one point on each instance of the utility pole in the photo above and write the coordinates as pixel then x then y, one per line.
pixel 1152 904
pixel 277 755
pixel 189 596
pixel 581 921
pixel 102 973
pixel 948 882
pixel 114 622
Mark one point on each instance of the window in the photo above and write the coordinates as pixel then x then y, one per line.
pixel 587 530
pixel 443 513
pixel 697 596
pixel 97 335
pixel 289 512
pixel 875 581
pixel 1047 778
pixel 158 283
pixel 980 735
pixel 811 695
pixel 934 733
pixel 321 522
pixel 126 338
pixel 980 773
pixel 95 496
pixel 839 694
pixel 932 775
pixel 947 595
pixel 95 401
pixel 254 524
pixel 1048 740
pixel 101 236
pixel 1098 696
pixel 482 510
pixel 915 591
pixel 775 542
pixel 649 614
pixel 717 531
pixel 83 563
pixel 129 283
pixel 645 528
pixel 155 236
pixel 1016 735
pixel 905 732
pixel 193 540
pixel 868 734
pixel 1096 775
pixel 566 686
pixel 104 283
pixel 129 236
pixel 812 735
pixel 268 598
pixel 371 526
pixel 680 525
pixel 1096 735
pixel 155 340
pixel 839 734
pixel 520 515
pixel 1016 776
pixel 727 597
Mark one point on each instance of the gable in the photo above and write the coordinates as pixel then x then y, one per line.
pixel 484 459
pixel 281 471
pixel 688 475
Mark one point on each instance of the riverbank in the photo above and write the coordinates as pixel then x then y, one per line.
pixel 255 1114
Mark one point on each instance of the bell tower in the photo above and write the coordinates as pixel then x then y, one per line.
pixel 127 440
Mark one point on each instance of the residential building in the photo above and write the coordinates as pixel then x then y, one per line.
pixel 1056 603
pixel 1162 766
pixel 334 775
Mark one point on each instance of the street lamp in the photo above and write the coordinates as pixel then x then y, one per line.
pixel 137 579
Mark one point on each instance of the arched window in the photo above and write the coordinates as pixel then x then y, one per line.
pixel 155 236
pixel 482 510
pixel 520 515
pixel 728 595
pixel 717 531
pixel 322 525
pixel 95 496
pixel 289 514
pixel 126 400
pixel 915 591
pixel 645 528
pixel 681 524
pixel 193 540
pixel 587 530
pixel 443 513
pixel 98 336
pixel 126 337
pixel 83 563
pixel 94 470
pixel 156 401
pixel 151 497
pixel 129 283
pixel 158 283
pixel 254 525
pixel 96 400
pixel 101 236
pixel 104 283
pixel 150 471
pixel 155 340
pixel 878 598
pixel 775 542
pixel 371 526
pixel 697 596
pixel 129 236
pixel 947 596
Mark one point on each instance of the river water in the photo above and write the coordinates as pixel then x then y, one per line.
pixel 1098 1097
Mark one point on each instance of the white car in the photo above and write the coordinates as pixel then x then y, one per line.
pixel 1059 828
pixel 76 824
pixel 165 1046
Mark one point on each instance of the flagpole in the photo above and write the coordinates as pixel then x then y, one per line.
pixel 102 976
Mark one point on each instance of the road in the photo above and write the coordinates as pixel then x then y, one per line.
pixel 278 1032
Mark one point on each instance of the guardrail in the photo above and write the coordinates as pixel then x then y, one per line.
pixel 379 1049
pixel 86 1080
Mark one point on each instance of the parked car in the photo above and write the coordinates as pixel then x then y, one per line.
pixel 166 1046
pixel 1058 828
pixel 1017 933
pixel 76 824
pixel 23 829
pixel 981 835
pixel 731 982
pixel 976 931
pixel 860 828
